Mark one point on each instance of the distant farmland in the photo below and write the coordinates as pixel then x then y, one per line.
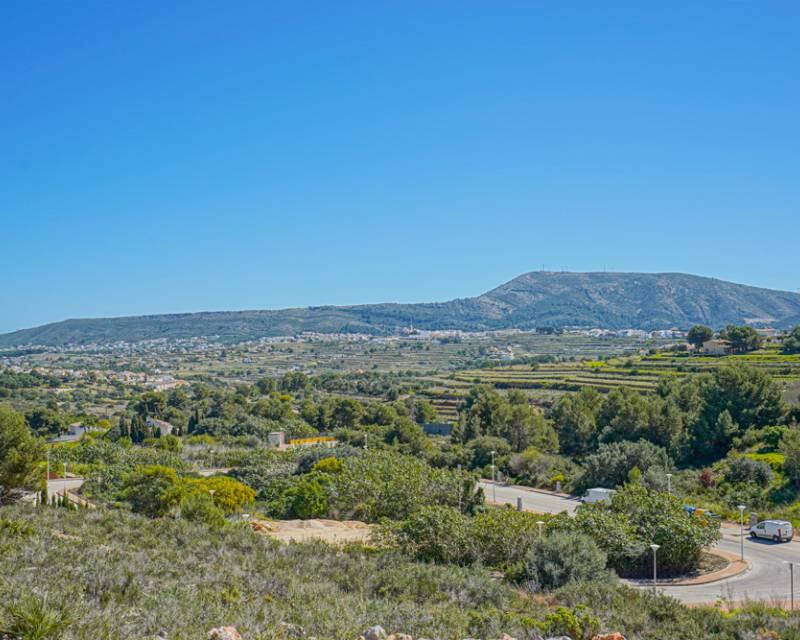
pixel 546 382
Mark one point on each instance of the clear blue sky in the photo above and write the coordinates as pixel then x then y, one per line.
pixel 184 156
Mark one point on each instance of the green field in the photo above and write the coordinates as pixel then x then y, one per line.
pixel 546 382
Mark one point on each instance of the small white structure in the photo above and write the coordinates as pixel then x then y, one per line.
pixel 598 494
pixel 277 439
pixel 716 347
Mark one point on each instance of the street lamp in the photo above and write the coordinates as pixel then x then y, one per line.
pixel 669 483
pixel 655 547
pixel 65 485
pixel 47 479
pixel 741 508
pixel 494 482
pixel 540 523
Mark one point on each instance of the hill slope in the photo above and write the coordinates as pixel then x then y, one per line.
pixel 609 300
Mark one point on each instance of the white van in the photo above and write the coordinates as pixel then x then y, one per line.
pixel 777 530
pixel 598 494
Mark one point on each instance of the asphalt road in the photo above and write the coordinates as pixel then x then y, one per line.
pixel 766 580
pixel 531 500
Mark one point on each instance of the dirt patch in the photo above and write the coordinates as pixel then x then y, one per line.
pixel 331 531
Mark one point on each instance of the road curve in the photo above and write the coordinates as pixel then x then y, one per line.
pixel 767 579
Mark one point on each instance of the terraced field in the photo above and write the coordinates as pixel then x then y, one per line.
pixel 546 382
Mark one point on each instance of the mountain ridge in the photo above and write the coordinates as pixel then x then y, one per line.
pixel 612 300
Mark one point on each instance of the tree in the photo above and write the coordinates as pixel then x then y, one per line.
pixel 575 419
pixel 20 454
pixel 343 413
pixel 46 422
pixel 699 334
pixel 742 339
pixel 559 558
pixel 609 467
pixel 485 412
pixel 526 426
pixel 735 399
pixel 791 343
pixel 624 416
pixel 481 450
pixel 790 447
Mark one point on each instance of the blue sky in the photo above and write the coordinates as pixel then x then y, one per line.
pixel 185 156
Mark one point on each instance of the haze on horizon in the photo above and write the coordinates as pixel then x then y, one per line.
pixel 285 156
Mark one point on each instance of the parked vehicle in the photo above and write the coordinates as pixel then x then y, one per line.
pixel 699 512
pixel 598 494
pixel 777 530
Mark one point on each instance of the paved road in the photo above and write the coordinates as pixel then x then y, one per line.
pixel 57 485
pixel 531 500
pixel 767 579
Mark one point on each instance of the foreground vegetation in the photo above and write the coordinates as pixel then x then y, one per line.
pixel 78 575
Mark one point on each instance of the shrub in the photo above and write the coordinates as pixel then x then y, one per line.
pixel 744 470
pixel 230 495
pixel 637 518
pixel 433 534
pixel 384 484
pixel 329 465
pixel 200 507
pixel 13 527
pixel 539 469
pixel 558 558
pixel 307 498
pixel 151 490
pixel 34 618
pixel 502 537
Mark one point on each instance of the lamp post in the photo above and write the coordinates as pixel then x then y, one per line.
pixel 741 530
pixel 669 483
pixel 540 524
pixel 66 502
pixel 655 548
pixel 791 584
pixel 47 479
pixel 494 482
